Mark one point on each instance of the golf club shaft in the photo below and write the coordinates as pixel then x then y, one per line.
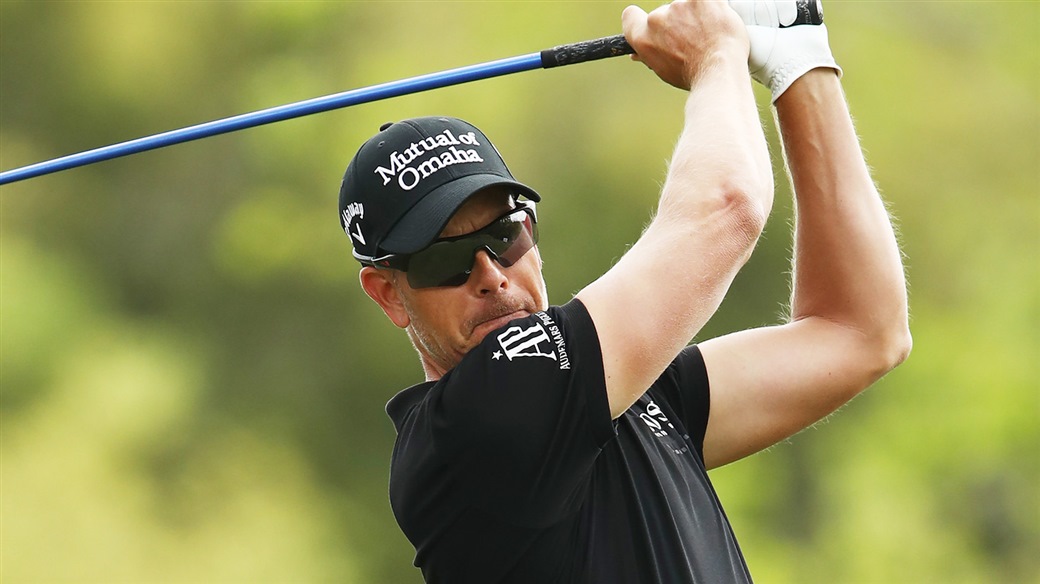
pixel 555 57
pixel 808 12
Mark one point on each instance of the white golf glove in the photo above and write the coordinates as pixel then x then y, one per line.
pixel 779 55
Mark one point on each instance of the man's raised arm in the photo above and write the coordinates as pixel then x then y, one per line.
pixel 713 205
pixel 848 323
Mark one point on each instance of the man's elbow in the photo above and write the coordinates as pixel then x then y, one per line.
pixel 890 349
pixel 745 213
pixel 900 346
pixel 752 199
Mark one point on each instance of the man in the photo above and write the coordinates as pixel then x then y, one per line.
pixel 570 444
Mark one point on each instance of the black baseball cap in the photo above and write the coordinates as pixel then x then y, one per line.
pixel 405 183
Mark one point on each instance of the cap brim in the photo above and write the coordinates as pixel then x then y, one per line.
pixel 424 222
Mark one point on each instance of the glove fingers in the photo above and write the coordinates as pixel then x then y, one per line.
pixel 786 12
pixel 779 56
pixel 773 13
pixel 763 41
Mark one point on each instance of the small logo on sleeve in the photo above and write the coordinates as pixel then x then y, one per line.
pixel 541 339
pixel 532 341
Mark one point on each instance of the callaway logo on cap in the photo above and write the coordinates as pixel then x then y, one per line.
pixel 404 184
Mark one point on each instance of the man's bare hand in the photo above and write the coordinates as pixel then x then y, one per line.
pixel 679 40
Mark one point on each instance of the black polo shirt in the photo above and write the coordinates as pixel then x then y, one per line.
pixel 509 469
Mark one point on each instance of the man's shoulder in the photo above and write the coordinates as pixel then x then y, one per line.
pixel 531 365
pixel 405 401
pixel 523 346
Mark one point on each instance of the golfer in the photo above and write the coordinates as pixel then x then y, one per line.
pixel 570 444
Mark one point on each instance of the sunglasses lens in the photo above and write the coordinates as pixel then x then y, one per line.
pixel 448 262
pixel 515 240
pixel 445 263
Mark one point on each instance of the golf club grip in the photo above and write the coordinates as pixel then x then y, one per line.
pixel 612 46
pixel 808 12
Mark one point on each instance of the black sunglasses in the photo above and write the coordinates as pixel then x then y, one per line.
pixel 449 261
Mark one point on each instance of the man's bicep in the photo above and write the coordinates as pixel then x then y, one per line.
pixel 769 383
pixel 650 305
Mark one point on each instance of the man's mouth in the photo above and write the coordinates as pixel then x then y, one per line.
pixel 482 328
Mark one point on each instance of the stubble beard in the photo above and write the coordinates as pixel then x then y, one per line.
pixel 444 356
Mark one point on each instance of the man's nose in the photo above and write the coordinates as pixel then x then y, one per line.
pixel 487 275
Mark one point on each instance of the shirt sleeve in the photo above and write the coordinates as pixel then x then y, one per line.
pixel 520 421
pixel 685 386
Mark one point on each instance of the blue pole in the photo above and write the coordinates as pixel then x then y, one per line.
pixel 280 113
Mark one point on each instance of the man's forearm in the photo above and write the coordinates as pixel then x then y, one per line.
pixel 847 266
pixel 722 148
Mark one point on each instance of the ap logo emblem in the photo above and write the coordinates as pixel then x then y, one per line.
pixel 526 342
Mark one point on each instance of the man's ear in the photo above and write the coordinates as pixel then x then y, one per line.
pixel 381 287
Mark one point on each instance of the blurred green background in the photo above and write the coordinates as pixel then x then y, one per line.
pixel 193 383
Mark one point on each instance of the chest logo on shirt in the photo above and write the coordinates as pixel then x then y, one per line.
pixel 655 419
pixel 535 340
pixel 659 425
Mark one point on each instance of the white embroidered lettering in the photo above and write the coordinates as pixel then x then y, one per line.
pixel 350 212
pixel 408 177
pixel 655 419
pixel 520 342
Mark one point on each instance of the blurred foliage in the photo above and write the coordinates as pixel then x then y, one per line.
pixel 193 383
